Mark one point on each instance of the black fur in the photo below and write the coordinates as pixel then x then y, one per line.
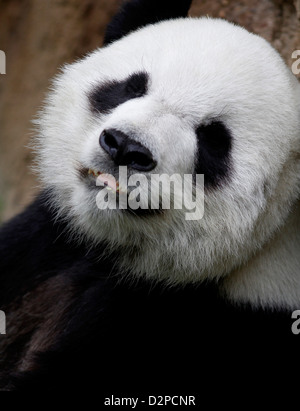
pixel 112 334
pixel 138 13
pixel 213 154
pixel 30 250
pixel 110 95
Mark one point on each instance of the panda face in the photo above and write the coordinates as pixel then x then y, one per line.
pixel 187 96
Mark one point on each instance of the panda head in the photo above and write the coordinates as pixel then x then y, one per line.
pixel 182 96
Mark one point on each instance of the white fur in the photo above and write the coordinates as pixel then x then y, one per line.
pixel 199 69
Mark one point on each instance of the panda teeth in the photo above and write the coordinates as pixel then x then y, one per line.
pixel 94 172
pixel 98 173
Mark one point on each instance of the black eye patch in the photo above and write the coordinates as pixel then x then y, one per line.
pixel 110 95
pixel 213 152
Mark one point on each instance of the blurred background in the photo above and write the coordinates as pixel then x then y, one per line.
pixel 38 36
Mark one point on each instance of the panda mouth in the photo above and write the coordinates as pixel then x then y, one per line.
pixel 111 183
pixel 102 178
pixel 96 178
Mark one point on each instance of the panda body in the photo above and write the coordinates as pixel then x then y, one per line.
pixel 99 333
pixel 90 293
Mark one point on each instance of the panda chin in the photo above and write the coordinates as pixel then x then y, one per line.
pixel 145 212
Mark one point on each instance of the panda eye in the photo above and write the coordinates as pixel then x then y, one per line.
pixel 137 85
pixel 213 152
pixel 110 95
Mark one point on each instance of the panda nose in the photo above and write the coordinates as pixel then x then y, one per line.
pixel 125 151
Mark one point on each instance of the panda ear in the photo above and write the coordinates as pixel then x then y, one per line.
pixel 138 13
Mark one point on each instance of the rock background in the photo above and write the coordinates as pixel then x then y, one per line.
pixel 39 36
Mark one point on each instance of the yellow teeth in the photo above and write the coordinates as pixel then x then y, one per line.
pixel 94 172
pixel 117 188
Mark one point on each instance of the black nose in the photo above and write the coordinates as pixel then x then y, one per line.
pixel 125 151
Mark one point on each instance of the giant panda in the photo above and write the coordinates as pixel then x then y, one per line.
pixel 147 299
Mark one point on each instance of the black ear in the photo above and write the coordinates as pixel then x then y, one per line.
pixel 138 13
